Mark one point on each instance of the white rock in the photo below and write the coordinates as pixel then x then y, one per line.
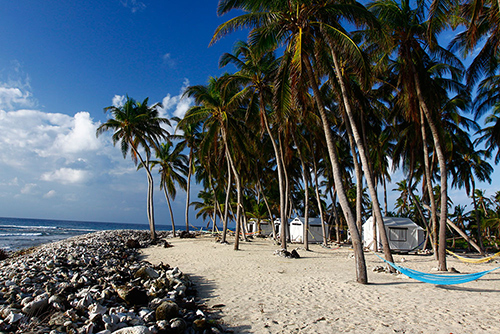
pixel 13 317
pixel 133 330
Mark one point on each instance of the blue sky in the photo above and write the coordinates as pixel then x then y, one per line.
pixel 61 63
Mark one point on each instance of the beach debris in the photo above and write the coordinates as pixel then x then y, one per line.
pixel 186 235
pixel 284 253
pixel 97 283
pixel 379 269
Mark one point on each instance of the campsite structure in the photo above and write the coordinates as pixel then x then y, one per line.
pixel 315 231
pixel 403 234
pixel 265 226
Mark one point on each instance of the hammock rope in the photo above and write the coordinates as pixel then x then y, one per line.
pixel 471 260
pixel 438 279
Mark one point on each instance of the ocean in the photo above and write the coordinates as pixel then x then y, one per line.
pixel 19 233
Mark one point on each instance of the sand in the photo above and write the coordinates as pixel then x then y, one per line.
pixel 265 293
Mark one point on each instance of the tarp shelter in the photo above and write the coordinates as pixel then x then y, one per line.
pixel 315 232
pixel 265 226
pixel 277 226
pixel 403 234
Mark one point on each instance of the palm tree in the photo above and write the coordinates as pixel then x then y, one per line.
pixel 189 138
pixel 137 125
pixel 215 106
pixel 406 34
pixel 173 165
pixel 300 26
pixel 256 74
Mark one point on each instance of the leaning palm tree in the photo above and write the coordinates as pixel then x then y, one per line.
pixel 173 165
pixel 137 125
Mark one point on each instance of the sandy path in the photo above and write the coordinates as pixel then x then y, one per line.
pixel 317 293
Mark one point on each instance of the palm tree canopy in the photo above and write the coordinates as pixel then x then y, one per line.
pixel 135 125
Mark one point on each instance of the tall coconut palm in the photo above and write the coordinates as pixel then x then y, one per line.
pixel 256 75
pixel 215 106
pixel 406 34
pixel 137 125
pixel 299 26
pixel 188 134
pixel 173 167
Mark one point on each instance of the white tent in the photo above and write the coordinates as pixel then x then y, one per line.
pixel 315 232
pixel 265 226
pixel 403 234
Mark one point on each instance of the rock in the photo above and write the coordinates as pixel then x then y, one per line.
pixel 167 310
pixel 36 307
pixel 185 235
pixel 147 273
pixel 132 243
pixel 133 296
pixel 294 254
pixel 200 324
pixel 178 325
pixel 133 330
pixel 80 286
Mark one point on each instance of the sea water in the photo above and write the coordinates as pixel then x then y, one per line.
pixel 18 233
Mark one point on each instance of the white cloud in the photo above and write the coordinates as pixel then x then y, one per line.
pixel 29 188
pixel 66 176
pixel 168 61
pixel 81 135
pixel 32 133
pixel 118 100
pixel 181 104
pixel 12 97
pixel 133 5
pixel 50 194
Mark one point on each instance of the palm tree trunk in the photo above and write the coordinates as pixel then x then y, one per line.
pixel 279 161
pixel 428 180
pixel 444 176
pixel 320 208
pixel 271 218
pixel 359 176
pixel 226 204
pixel 284 203
pixel 364 164
pixel 188 188
pixel 305 230
pixel 238 189
pixel 149 211
pixel 385 195
pixel 361 274
pixel 478 221
pixel 170 210
pixel 420 212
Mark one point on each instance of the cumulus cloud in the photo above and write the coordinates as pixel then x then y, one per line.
pixel 80 137
pixel 66 176
pixel 31 132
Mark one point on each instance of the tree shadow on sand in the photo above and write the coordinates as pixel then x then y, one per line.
pixel 206 291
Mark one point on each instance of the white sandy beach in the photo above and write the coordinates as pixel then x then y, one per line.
pixel 265 293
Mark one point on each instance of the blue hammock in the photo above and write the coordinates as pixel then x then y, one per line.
pixel 437 278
